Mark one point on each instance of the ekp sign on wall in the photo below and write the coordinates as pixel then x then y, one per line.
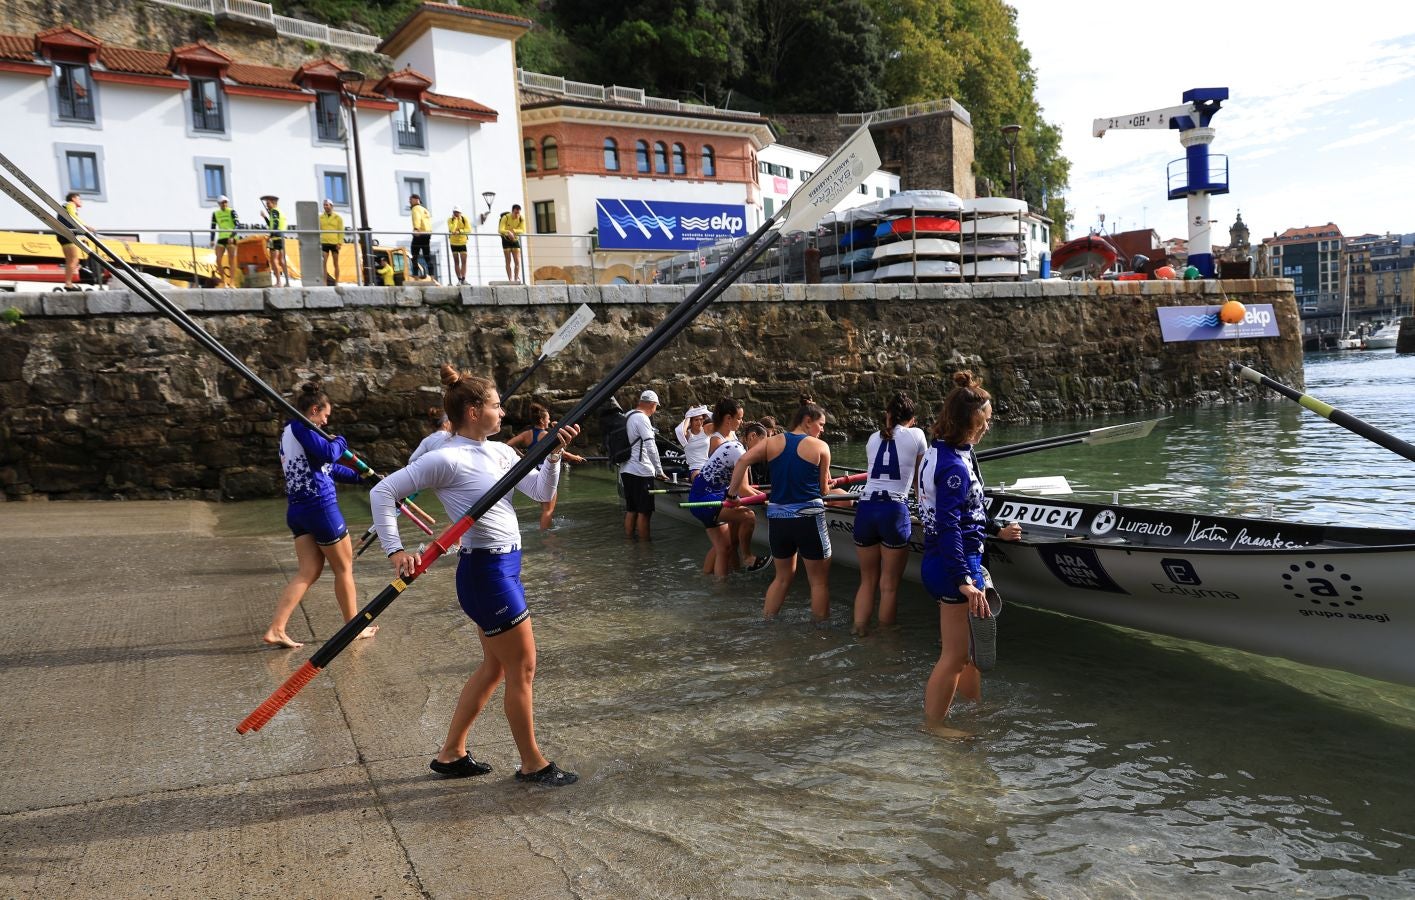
pixel 662 225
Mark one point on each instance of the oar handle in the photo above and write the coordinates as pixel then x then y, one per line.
pixel 1330 413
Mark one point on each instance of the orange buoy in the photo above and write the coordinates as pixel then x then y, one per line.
pixel 1232 312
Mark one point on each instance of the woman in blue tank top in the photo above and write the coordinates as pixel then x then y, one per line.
pixel 522 442
pixel 800 477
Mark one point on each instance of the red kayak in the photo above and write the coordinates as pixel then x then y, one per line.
pixel 1092 254
pixel 917 225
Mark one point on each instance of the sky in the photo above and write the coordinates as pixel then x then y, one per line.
pixel 1319 125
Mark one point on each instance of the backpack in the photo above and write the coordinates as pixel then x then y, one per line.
pixel 614 425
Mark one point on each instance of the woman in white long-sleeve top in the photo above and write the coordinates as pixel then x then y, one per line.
pixel 489 585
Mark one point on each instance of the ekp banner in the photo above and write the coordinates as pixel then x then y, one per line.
pixel 663 225
pixel 1201 323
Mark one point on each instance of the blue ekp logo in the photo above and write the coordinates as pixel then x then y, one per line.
pixel 664 225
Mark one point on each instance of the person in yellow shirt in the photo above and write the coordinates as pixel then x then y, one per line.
pixel 70 218
pixel 422 238
pixel 385 271
pixel 331 235
pixel 511 227
pixel 457 229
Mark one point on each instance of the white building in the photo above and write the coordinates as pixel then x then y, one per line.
pixel 151 140
pixel 782 169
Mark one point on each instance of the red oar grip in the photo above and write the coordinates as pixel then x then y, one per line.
pixel 277 700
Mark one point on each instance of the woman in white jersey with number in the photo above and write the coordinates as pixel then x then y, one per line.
pixel 882 522
pixel 489 586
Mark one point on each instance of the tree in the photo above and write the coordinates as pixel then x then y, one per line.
pixel 816 57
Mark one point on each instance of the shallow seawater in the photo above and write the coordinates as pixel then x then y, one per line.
pixel 753 759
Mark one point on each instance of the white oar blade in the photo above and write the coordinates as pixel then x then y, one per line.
pixel 1114 434
pixel 1048 485
pixel 568 332
pixel 833 182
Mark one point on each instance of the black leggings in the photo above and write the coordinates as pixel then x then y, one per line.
pixel 422 246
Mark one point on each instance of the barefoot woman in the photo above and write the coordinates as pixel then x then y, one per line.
pixel 489 572
pixel 954 515
pixel 311 467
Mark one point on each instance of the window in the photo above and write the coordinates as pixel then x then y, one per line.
pixel 74 88
pixel 207 112
pixel 641 151
pixel 83 171
pixel 709 162
pixel 410 183
pixel 680 160
pixel 764 168
pixel 864 189
pixel 660 158
pixel 879 192
pixel 213 179
pixel 328 117
pixel 769 206
pixel 545 216
pixel 611 155
pixel 408 123
pixel 334 185
pixel 550 154
pixel 806 174
pixel 528 149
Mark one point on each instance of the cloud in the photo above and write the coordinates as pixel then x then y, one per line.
pixel 1366 137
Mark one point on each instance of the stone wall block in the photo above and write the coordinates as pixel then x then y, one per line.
pixel 29 304
pixel 548 295
pixel 511 294
pixel 234 300
pixel 410 296
pixel 369 296
pixel 441 295
pixel 584 293
pixel 189 300
pixel 886 292
pixel 824 293
pixel 1053 287
pixel 107 303
pixel 65 303
pixel 332 298
pixel 665 294
pixel 285 298
pixel 623 293
pixel 477 295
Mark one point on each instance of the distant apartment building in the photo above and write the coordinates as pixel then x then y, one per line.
pixel 1381 269
pixel 1312 257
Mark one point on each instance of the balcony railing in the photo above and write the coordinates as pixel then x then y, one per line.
pixel 262 13
pixel 75 108
pixel 410 135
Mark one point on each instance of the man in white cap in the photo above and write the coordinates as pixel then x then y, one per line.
pixel 637 475
pixel 693 439
pixel 457 229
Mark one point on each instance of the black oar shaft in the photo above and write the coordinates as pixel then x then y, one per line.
pixel 1330 413
pixel 510 391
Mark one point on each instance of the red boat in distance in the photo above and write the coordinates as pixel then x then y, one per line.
pixel 1090 256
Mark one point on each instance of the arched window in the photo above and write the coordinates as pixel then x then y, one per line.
pixel 660 158
pixel 530 148
pixel 709 162
pixel 611 155
pixel 680 160
pixel 549 154
pixel 641 150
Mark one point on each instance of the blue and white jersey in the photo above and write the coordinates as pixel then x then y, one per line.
pixel 717 471
pixel 952 509
pixel 892 462
pixel 308 461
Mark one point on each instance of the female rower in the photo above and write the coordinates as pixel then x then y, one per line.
pixel 723 522
pixel 489 572
pixel 309 462
pixel 882 525
pixel 693 439
pixel 800 477
pixel 726 417
pixel 540 417
pixel 954 516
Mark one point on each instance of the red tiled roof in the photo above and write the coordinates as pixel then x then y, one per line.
pixel 479 13
pixel 461 103
pixel 262 76
pixel 138 62
pixel 17 47
pixel 1307 233
pixel 68 30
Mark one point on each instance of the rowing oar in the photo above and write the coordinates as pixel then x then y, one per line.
pixel 554 344
pixel 406 506
pixel 133 281
pixel 762 497
pixel 1329 412
pixel 833 181
pixel 1110 434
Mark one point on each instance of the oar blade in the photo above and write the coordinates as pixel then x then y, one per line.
pixel 836 178
pixel 1114 434
pixel 568 332
pixel 1044 485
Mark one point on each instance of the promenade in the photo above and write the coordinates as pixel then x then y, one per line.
pixel 130 652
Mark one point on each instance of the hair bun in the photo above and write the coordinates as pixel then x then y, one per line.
pixel 807 399
pixel 963 379
pixel 450 376
pixel 311 387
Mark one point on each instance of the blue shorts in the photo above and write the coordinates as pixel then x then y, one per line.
pixel 707 515
pixel 490 591
pixel 325 523
pixel 941 587
pixel 882 522
pixel 805 535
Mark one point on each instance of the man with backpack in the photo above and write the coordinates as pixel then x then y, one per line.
pixel 637 473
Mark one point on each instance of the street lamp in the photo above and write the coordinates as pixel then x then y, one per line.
pixel 1009 134
pixel 490 198
pixel 352 81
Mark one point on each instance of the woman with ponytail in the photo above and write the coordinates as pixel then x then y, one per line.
pixel 489 585
pixel 954 515
pixel 310 463
pixel 882 525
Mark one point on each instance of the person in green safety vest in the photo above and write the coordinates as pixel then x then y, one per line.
pixel 275 222
pixel 224 223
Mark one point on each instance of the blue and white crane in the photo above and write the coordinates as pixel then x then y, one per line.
pixel 1201 175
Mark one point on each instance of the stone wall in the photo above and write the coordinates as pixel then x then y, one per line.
pixel 100 397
